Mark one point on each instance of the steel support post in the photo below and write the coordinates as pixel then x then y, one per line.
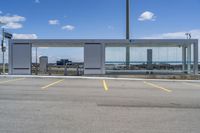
pixel 189 59
pixel 195 67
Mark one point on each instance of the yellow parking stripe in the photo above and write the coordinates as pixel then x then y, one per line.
pixel 54 83
pixel 157 86
pixel 105 85
pixel 7 81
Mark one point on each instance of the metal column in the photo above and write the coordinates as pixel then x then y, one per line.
pixel 127 32
pixel 195 67
pixel 189 58
pixel 184 58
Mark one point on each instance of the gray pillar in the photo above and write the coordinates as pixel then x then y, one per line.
pixel 10 57
pixel 149 59
pixel 189 58
pixel 94 59
pixel 184 58
pixel 20 58
pixel 195 68
pixel 127 57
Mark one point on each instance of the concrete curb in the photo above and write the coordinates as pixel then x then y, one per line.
pixel 95 78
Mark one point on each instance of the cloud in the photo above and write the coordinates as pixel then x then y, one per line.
pixel 24 36
pixel 13 26
pixel 175 35
pixel 147 16
pixel 54 22
pixel 12 22
pixel 14 18
pixel 68 27
pixel 37 1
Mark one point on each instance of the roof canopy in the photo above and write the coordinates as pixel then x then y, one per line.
pixel 107 42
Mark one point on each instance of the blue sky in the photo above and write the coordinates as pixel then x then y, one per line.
pixel 100 19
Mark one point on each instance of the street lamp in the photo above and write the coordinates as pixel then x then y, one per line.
pixel 2 47
pixel 5 35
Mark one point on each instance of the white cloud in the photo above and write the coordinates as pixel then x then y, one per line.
pixel 54 22
pixel 12 22
pixel 37 1
pixel 13 26
pixel 24 36
pixel 176 35
pixel 147 16
pixel 68 27
pixel 14 18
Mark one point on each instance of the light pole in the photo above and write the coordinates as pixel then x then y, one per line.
pixel 3 49
pixel 5 35
pixel 127 32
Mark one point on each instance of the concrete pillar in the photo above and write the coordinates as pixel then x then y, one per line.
pixel 195 68
pixel 189 59
pixel 184 58
pixel 149 59
pixel 10 47
pixel 127 57
pixel 20 57
pixel 94 59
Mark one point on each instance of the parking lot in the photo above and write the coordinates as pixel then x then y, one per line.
pixel 50 105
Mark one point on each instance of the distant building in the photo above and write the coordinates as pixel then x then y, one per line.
pixel 63 62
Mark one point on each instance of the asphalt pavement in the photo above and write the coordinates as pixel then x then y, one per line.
pixel 51 105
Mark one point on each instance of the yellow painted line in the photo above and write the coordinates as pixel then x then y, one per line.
pixel 157 86
pixel 105 85
pixel 54 83
pixel 13 80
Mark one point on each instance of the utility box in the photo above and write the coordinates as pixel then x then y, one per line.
pixel 43 64
pixel 94 59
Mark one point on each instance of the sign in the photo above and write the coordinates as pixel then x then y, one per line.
pixel 2 46
pixel 7 35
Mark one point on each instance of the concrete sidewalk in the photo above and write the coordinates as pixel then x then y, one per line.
pixel 106 77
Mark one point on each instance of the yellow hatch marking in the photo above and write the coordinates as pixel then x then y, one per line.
pixel 105 85
pixel 157 86
pixel 54 83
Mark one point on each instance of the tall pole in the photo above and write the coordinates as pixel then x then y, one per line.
pixel 3 50
pixel 127 32
pixel 128 19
